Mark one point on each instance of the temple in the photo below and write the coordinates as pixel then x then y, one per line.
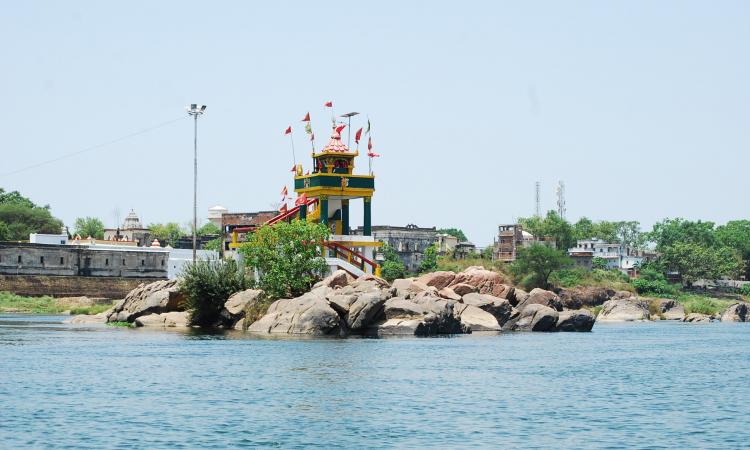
pixel 324 196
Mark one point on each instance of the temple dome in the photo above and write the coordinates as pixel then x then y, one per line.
pixel 132 221
pixel 335 145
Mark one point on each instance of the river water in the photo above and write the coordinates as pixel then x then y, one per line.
pixel 647 385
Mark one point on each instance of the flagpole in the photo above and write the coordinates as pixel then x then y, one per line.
pixel 294 156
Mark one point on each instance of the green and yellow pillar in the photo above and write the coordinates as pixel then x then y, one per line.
pixel 368 217
pixel 345 216
pixel 323 201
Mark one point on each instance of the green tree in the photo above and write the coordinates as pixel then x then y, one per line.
pixel 537 262
pixel 598 263
pixel 21 220
pixel 4 231
pixel 15 198
pixel 167 233
pixel 287 257
pixel 208 228
pixel 207 284
pixel 455 232
pixel 214 244
pixel 694 261
pixel 669 232
pixel 552 226
pixel 583 229
pixel 429 259
pixel 486 253
pixel 89 226
pixel 736 235
pixel 628 233
pixel 392 267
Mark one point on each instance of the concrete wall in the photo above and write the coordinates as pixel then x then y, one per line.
pixel 43 259
pixel 70 286
pixel 410 242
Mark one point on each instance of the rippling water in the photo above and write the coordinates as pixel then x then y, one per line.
pixel 654 385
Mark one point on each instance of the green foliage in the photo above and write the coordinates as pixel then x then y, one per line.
pixel 455 232
pixel 89 226
pixel 653 282
pixel 121 324
pixel 745 290
pixel 669 232
pixel 167 233
pixel 36 305
pixel 736 235
pixel 568 278
pixel 486 253
pixel 208 228
pixel 552 226
pixel 207 284
pixel 702 304
pixel 578 276
pixel 19 221
pixel 598 263
pixel 287 257
pixel 4 231
pixel 429 260
pixel 535 264
pixel 15 198
pixel 214 244
pixel 694 261
pixel 392 267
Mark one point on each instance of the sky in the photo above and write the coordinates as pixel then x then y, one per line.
pixel 642 108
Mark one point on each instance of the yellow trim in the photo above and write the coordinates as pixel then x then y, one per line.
pixel 235 245
pixel 358 244
pixel 344 154
pixel 349 175
pixel 334 192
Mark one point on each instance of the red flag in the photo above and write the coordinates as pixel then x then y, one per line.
pixel 284 192
pixel 307 118
pixel 358 135
pixel 307 173
pixel 301 200
pixel 288 130
pixel 294 169
pixel 373 155
pixel 369 143
pixel 329 105
pixel 340 128
pixel 283 209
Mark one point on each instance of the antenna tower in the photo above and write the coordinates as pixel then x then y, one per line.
pixel 538 207
pixel 560 191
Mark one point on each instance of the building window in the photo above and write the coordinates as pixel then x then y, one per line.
pixel 162 263
pixel 62 260
pixel 123 261
pixel 143 262
pixel 19 259
pixel 41 260
pixel 106 261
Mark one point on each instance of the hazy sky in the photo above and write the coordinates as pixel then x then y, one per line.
pixel 642 108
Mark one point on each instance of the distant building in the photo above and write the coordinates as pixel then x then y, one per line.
pixel 178 257
pixel 131 231
pixel 464 249
pixel 215 214
pixel 409 242
pixel 244 222
pixel 511 238
pixel 97 260
pixel 616 256
pixel 446 243
pixel 39 238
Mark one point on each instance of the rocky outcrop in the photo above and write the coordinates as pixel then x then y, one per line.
pixel 438 280
pixel 176 319
pixel 309 314
pixel 623 310
pixel 408 287
pixel 542 297
pixel 534 317
pixel 697 318
pixel 736 313
pixel 575 320
pixel 579 297
pixel 421 316
pixel 463 289
pixel 483 280
pixel 153 298
pixel 475 318
pixel 499 308
pixel 237 304
pixel 338 278
pixel 670 309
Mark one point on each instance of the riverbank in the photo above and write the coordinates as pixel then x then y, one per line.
pixel 11 303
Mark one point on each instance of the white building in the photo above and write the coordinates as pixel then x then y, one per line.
pixel 616 255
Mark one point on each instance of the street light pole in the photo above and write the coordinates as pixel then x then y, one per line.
pixel 195 110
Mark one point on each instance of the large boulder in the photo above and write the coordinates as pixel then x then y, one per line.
pixel 623 310
pixel 541 297
pixel 697 318
pixel 86 319
pixel 476 319
pixel 500 308
pixel 239 301
pixel 575 320
pixel 175 319
pixel 671 309
pixel 580 296
pixel 338 278
pixel 408 287
pixel 309 314
pixel 485 281
pixel 153 298
pixel 421 316
pixel 439 280
pixel 534 317
pixel 462 289
pixel 736 313
pixel 448 294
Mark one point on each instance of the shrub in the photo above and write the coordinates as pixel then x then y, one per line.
pixel 653 282
pixel 703 305
pixel 745 289
pixel 287 256
pixel 392 270
pixel 207 285
pixel 568 277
